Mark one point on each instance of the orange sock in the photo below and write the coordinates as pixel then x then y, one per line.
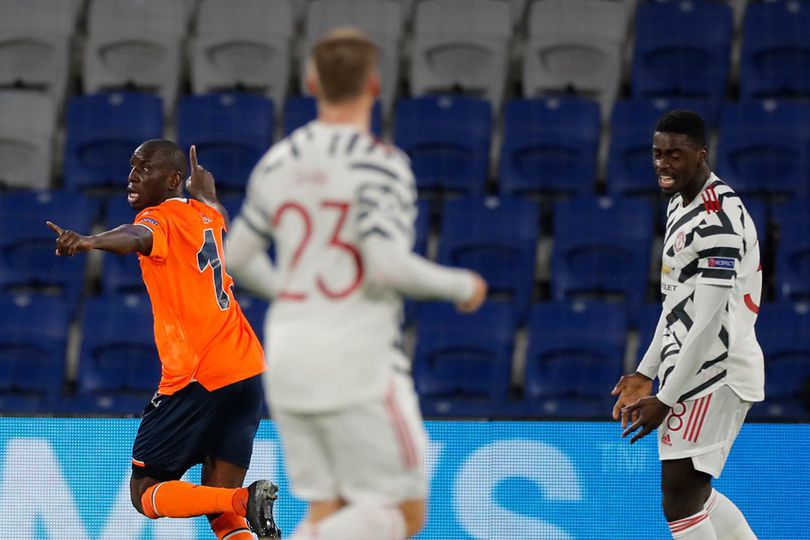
pixel 181 499
pixel 231 527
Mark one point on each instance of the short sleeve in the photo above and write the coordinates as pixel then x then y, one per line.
pixel 719 250
pixel 157 222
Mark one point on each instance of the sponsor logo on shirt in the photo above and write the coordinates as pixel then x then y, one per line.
pixel 721 262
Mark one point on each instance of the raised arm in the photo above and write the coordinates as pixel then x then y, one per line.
pixel 200 185
pixel 121 240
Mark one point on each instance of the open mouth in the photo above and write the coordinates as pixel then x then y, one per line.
pixel 666 182
pixel 132 196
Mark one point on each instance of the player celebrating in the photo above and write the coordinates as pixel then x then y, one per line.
pixel 704 351
pixel 340 207
pixel 208 403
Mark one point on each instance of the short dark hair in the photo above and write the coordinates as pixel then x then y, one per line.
pixel 167 153
pixel 685 122
pixel 344 59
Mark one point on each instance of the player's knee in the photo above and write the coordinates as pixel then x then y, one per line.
pixel 414 514
pixel 135 494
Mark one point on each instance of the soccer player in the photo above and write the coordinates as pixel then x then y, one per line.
pixel 704 351
pixel 340 207
pixel 208 403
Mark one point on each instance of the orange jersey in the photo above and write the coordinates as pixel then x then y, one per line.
pixel 200 331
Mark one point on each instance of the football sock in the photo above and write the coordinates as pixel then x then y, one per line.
pixel 231 527
pixel 694 527
pixel 358 522
pixel 727 520
pixel 179 499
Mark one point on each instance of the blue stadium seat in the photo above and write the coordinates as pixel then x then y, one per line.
pixel 231 132
pixel 783 331
pixel 574 357
pixel 27 260
pixel 33 336
pixel 102 132
pixel 122 273
pixel 682 48
pixel 793 250
pixel 448 139
pixel 255 310
pixel 601 248
pixel 632 124
pixel 763 147
pixel 464 356
pixel 300 110
pixel 775 55
pixel 497 237
pixel 118 352
pixel 420 246
pixel 549 145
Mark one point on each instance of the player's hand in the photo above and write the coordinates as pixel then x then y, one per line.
pixel 200 183
pixel 649 411
pixel 630 389
pixel 69 242
pixel 479 295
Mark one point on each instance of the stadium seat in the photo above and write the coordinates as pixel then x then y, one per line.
pixel 27 260
pixel 763 147
pixel 682 48
pixel 118 352
pixel 601 248
pixel 793 250
pixel 783 331
pixel 576 46
pixel 35 40
pixel 301 110
pixel 121 274
pixel 461 45
pixel 135 45
pixel 33 336
pixel 382 22
pixel 243 44
pixel 447 139
pixel 775 55
pixel 574 357
pixel 102 132
pixel 632 125
pixel 549 146
pixel 27 127
pixel 231 132
pixel 422 227
pixel 464 356
pixel 498 239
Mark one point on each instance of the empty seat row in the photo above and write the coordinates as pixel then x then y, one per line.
pixel 680 48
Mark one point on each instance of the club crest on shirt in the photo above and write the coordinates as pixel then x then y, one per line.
pixel 680 241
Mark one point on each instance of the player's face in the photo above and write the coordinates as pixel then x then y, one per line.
pixel 148 181
pixel 677 160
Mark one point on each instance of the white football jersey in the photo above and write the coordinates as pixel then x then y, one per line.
pixel 713 240
pixel 320 194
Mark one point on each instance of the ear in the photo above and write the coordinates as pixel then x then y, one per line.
pixel 374 83
pixel 175 180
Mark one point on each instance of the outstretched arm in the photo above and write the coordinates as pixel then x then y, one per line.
pixel 121 240
pixel 200 185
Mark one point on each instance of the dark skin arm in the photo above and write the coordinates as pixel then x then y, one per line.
pixel 200 185
pixel 122 240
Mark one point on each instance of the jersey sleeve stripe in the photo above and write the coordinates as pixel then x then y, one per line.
pixel 717 273
pixel 256 229
pixel 376 168
pixel 720 376
pixel 720 252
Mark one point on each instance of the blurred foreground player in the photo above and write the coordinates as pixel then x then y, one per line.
pixel 340 208
pixel 208 404
pixel 704 350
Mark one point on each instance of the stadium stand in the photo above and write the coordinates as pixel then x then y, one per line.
pixel 26 139
pixel 793 250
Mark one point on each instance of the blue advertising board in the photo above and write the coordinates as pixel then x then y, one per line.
pixel 66 478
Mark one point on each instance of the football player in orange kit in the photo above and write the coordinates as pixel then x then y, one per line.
pixel 208 404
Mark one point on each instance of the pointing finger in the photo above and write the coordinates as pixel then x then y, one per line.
pixel 192 155
pixel 54 227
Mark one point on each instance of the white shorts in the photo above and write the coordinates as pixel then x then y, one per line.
pixel 373 451
pixel 703 429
